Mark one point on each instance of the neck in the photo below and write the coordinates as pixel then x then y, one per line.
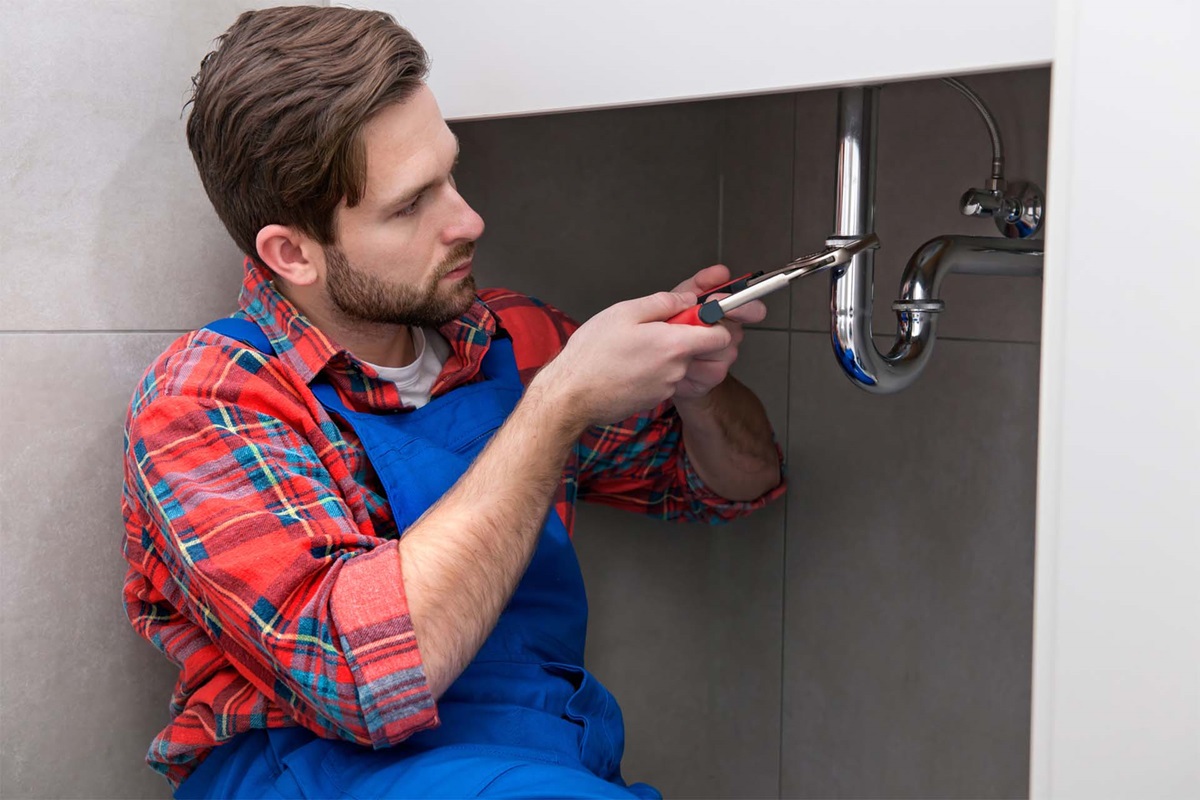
pixel 382 344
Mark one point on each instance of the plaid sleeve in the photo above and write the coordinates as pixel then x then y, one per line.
pixel 257 547
pixel 640 464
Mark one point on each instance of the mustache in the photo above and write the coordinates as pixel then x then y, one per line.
pixel 456 257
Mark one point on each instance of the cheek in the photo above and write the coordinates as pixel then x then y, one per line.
pixel 393 251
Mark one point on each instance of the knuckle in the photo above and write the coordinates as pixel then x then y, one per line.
pixel 664 300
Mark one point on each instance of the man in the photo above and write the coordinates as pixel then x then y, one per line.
pixel 348 506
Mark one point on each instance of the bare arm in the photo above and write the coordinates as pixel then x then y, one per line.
pixel 462 560
pixel 729 441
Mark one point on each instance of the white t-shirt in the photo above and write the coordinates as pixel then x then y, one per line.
pixel 415 381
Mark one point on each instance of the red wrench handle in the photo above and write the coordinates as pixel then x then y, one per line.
pixel 709 313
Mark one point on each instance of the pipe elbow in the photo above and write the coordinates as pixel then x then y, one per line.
pixel 926 269
pixel 977 255
pixel 919 305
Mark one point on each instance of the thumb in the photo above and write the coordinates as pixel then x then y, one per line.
pixel 661 306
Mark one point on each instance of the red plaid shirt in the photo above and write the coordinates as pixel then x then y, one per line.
pixel 262 550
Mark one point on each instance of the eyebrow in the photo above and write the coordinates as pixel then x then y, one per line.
pixel 407 197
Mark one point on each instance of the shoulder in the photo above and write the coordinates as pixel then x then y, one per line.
pixel 515 308
pixel 203 369
pixel 538 329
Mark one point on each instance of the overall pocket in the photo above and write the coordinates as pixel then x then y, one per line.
pixel 595 710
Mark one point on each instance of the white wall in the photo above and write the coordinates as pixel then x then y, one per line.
pixel 524 56
pixel 1117 678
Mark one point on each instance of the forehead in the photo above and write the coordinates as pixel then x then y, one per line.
pixel 406 145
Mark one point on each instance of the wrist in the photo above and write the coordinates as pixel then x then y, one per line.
pixel 701 405
pixel 552 398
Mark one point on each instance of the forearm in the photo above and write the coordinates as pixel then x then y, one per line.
pixel 729 441
pixel 461 562
pixel 463 559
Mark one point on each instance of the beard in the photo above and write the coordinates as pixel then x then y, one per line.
pixel 363 297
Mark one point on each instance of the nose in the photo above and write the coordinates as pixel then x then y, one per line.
pixel 465 225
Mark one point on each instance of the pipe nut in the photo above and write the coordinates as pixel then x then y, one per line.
pixel 912 306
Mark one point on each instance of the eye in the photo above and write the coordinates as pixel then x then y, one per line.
pixel 409 209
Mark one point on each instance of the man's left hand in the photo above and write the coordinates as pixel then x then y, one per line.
pixel 709 370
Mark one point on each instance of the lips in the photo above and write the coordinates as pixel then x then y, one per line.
pixel 461 271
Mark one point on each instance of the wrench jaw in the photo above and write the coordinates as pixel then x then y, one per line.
pixel 847 247
pixel 838 250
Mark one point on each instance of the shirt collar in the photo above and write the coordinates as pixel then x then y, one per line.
pixel 308 351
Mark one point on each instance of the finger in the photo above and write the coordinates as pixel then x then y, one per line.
pixel 696 341
pixel 749 314
pixel 707 374
pixel 692 341
pixel 710 277
pixel 727 354
pixel 658 307
pixel 705 279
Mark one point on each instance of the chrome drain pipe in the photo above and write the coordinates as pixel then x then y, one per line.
pixel 852 286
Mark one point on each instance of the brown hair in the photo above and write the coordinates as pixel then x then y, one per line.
pixel 278 111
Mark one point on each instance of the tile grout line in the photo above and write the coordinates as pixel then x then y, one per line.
pixel 720 216
pixel 93 331
pixel 721 145
pixel 787 434
pixel 940 338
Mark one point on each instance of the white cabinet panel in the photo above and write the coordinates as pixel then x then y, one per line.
pixel 527 56
pixel 1116 709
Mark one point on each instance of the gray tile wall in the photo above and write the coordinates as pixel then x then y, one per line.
pixel 109 250
pixel 909 580
pixel 870 635
pixel 908 611
pixel 82 694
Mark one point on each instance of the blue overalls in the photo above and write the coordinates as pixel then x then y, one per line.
pixel 525 719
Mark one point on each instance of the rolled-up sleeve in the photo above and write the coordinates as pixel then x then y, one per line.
pixel 642 465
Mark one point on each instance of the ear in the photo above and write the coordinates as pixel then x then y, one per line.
pixel 290 254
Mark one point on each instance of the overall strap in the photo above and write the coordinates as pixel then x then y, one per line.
pixel 499 363
pixel 250 334
pixel 244 331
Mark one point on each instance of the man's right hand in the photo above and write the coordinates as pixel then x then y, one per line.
pixel 627 359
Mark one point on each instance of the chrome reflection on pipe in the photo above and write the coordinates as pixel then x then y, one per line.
pixel 851 287
pixel 966 255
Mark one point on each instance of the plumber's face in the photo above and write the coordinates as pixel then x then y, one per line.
pixel 403 254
